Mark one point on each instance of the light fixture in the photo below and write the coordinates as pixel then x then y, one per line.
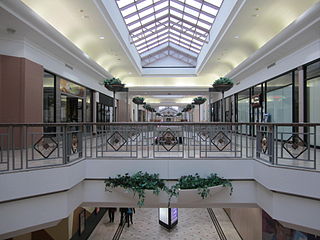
pixel 236 37
pixel 101 37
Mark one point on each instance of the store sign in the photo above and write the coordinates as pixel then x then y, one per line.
pixel 256 100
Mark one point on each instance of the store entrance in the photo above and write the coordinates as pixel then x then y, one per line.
pixel 71 109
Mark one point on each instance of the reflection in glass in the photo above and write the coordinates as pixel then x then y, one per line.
pixel 48 98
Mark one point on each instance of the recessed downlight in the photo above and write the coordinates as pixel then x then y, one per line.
pixel 101 37
pixel 236 37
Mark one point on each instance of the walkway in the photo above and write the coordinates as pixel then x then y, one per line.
pixel 194 224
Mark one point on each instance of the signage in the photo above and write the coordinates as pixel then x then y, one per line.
pixel 256 100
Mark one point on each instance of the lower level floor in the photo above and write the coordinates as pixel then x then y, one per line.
pixel 193 223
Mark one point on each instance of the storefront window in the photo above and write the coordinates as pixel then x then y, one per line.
pixel 279 99
pixel 243 108
pixel 280 103
pixel 313 97
pixel 88 105
pixel 48 98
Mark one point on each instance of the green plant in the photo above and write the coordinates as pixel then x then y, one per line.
pixel 223 80
pixel 189 107
pixel 179 114
pixel 199 100
pixel 138 100
pixel 137 183
pixel 148 107
pixel 112 81
pixel 202 184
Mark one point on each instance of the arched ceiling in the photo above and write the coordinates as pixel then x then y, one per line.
pixel 254 24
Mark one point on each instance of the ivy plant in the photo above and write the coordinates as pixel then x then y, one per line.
pixel 197 182
pixel 137 183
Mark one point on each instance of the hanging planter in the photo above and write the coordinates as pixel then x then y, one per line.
pixel 143 187
pixel 137 185
pixel 114 84
pixel 138 100
pixel 222 84
pixel 194 188
pixel 199 100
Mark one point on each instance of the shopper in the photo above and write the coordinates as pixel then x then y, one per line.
pixel 129 214
pixel 111 214
pixel 123 214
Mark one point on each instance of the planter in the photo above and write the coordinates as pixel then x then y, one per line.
pixel 221 87
pixel 198 102
pixel 151 199
pixel 192 195
pixel 114 87
pixel 137 101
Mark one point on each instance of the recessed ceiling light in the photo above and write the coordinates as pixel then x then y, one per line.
pixel 101 37
pixel 236 37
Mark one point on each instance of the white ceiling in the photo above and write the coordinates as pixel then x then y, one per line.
pixel 256 22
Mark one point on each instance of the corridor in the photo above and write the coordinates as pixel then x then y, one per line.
pixel 193 224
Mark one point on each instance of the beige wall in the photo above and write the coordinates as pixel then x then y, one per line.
pixel 27 236
pixel 248 222
pixel 60 231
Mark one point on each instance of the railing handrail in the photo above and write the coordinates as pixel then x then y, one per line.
pixel 159 123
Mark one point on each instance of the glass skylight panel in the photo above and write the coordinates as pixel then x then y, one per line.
pixel 129 11
pixel 122 3
pixel 184 23
pixel 146 12
pixel 192 12
pixel 206 18
pixel 176 5
pixel 193 3
pixel 215 2
pixel 161 5
pixel 131 19
pixel 144 4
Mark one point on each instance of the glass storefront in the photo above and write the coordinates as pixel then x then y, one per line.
pixel 280 99
pixel 313 97
pixel 49 106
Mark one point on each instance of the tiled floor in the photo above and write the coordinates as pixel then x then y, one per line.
pixel 194 224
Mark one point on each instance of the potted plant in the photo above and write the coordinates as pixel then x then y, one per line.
pixel 199 100
pixel 222 84
pixel 114 84
pixel 138 100
pixel 138 184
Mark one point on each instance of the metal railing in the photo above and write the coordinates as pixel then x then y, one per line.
pixel 27 146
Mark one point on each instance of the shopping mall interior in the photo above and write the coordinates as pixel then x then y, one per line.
pixel 159 119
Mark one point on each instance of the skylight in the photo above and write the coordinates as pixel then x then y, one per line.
pixel 178 27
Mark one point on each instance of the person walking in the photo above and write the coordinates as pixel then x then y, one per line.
pixel 111 214
pixel 123 214
pixel 130 212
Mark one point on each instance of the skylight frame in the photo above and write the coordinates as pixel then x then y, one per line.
pixel 155 20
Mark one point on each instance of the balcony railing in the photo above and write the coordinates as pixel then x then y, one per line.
pixel 27 146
